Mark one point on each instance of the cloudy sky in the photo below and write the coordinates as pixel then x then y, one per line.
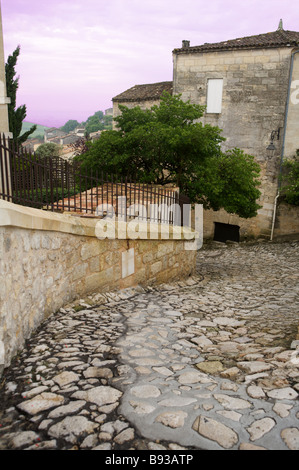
pixel 77 55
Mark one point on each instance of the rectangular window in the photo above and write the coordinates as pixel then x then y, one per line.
pixel 214 95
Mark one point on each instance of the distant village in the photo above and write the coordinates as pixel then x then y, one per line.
pixel 63 139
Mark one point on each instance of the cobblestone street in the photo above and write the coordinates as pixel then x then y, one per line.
pixel 211 363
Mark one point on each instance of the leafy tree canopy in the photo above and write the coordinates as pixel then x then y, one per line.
pixel 167 144
pixel 97 122
pixel 16 115
pixel 48 149
pixel 70 125
pixel 94 123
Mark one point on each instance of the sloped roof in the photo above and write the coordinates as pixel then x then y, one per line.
pixel 279 38
pixel 151 91
pixel 54 129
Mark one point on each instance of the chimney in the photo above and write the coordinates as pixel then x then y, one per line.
pixel 186 44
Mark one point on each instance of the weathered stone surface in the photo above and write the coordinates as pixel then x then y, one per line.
pixel 25 438
pixel 142 352
pixel 201 341
pixel 216 431
pixel 175 419
pixel 163 371
pixel 254 367
pixel 260 427
pixel 71 408
pixel 177 401
pixel 102 395
pixel 66 378
pixel 142 408
pixel 90 441
pixel 191 377
pixel 145 391
pixel 70 428
pixel 248 446
pixel 82 355
pixel 231 402
pixel 255 392
pixel 228 347
pixel 233 415
pixel 41 402
pixel 230 373
pixel 210 367
pixel 282 409
pixel 34 391
pixel 227 321
pixel 52 267
pixel 149 361
pixel 286 393
pixel 291 438
pixel 125 436
pixel 104 446
pixel 100 372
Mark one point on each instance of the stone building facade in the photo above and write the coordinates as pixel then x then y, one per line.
pixel 250 87
pixel 53 133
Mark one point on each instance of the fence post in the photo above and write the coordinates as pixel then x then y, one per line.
pixel 51 176
pixel 5 169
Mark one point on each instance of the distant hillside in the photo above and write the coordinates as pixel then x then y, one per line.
pixel 39 131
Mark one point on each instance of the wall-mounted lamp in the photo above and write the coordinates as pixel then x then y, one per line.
pixel 274 134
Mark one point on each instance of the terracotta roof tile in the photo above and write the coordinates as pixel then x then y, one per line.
pixel 151 91
pixel 279 38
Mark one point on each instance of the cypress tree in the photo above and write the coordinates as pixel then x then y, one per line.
pixel 16 116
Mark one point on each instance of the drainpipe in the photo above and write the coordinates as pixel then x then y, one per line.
pixel 283 142
pixel 274 215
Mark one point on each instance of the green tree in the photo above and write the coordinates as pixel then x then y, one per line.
pixel 169 145
pixel 48 149
pixel 16 116
pixel 99 114
pixel 69 126
pixel 94 123
pixel 290 180
pixel 108 119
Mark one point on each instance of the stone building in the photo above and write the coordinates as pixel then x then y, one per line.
pixel 144 96
pixel 53 133
pixel 250 87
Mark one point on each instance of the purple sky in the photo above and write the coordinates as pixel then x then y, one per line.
pixel 77 55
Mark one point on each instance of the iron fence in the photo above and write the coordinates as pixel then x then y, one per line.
pixel 53 183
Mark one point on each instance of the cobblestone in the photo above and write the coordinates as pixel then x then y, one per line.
pixel 210 363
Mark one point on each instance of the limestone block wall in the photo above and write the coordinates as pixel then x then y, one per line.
pixel 144 104
pixel 255 92
pixel 48 260
pixel 252 106
pixel 287 222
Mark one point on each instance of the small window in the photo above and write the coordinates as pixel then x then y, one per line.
pixel 214 96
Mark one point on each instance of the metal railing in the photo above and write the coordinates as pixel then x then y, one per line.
pixel 55 184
